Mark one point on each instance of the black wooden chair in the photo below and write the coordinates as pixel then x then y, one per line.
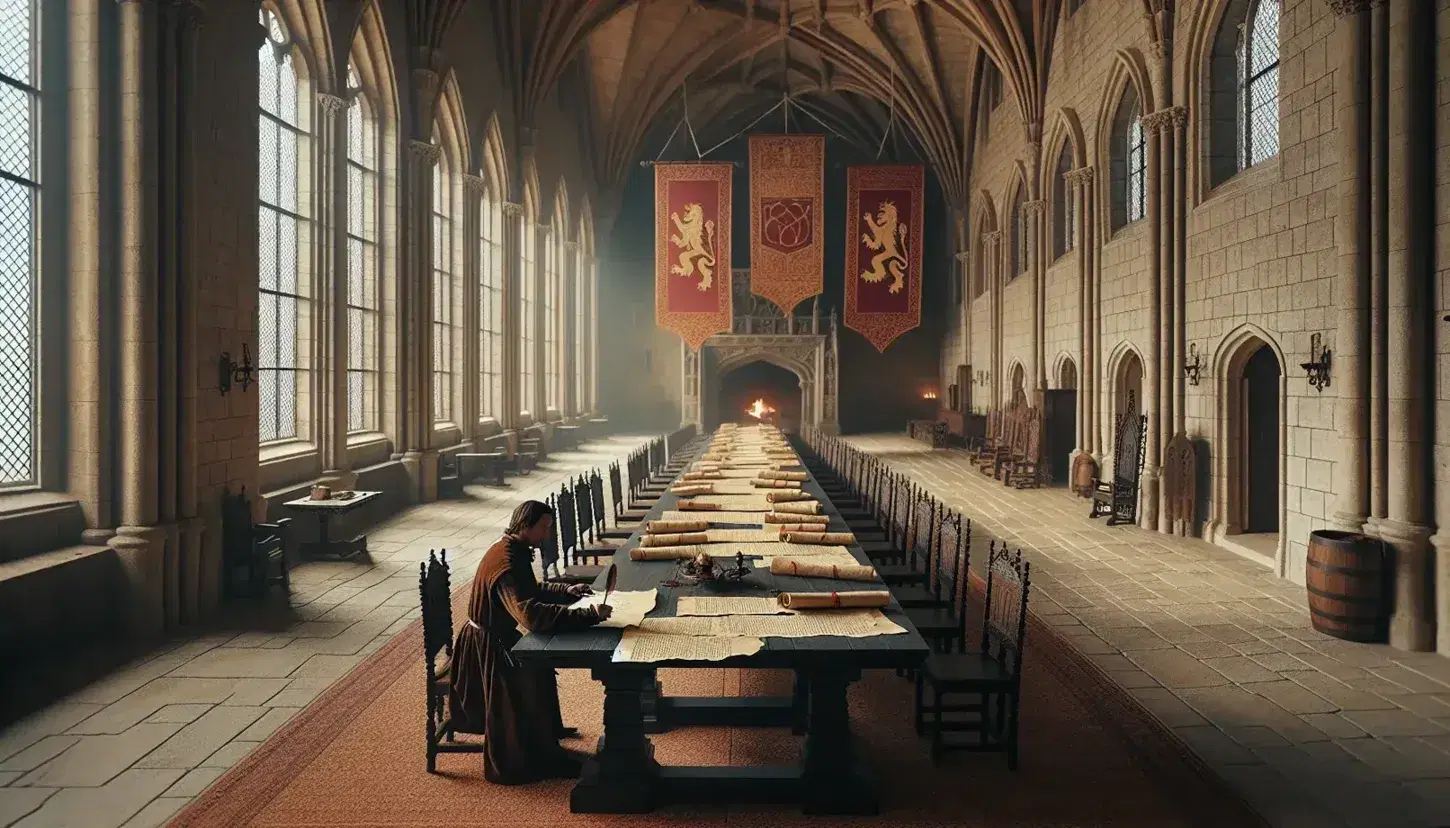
pixel 589 546
pixel 1118 498
pixel 943 624
pixel 950 541
pixel 915 544
pixel 602 510
pixel 256 547
pixel 435 595
pixel 991 679
pixel 450 480
pixel 566 533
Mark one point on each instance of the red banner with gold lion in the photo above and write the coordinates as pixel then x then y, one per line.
pixel 787 196
pixel 884 205
pixel 692 250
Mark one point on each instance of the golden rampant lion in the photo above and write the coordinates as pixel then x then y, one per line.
pixel 887 235
pixel 696 241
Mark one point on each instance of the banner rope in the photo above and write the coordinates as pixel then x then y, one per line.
pixel 766 114
pixel 890 120
pixel 814 117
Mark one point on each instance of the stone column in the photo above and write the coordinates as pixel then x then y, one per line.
pixel 1153 367
pixel 513 220
pixel 1351 380
pixel 139 544
pixel 1035 211
pixel 1411 263
pixel 89 469
pixel 420 458
pixel 569 332
pixel 330 272
pixel 991 242
pixel 964 264
pixel 1080 188
pixel 539 408
pixel 1178 123
pixel 475 190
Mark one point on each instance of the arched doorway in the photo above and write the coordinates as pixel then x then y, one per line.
pixel 740 387
pixel 1258 443
pixel 1059 417
pixel 1019 390
pixel 1128 390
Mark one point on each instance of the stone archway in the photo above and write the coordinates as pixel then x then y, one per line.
pixel 811 357
pixel 1248 465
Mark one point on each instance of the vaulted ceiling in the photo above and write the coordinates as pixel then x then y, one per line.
pixel 852 65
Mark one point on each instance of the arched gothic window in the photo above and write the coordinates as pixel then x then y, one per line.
pixel 490 308
pixel 1129 162
pixel 363 305
pixel 1258 63
pixel 19 266
pixel 527 288
pixel 1064 208
pixel 582 278
pixel 284 306
pixel 553 292
pixel 445 321
pixel 1019 236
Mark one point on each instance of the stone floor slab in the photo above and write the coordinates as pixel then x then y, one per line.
pixel 95 760
pixel 109 806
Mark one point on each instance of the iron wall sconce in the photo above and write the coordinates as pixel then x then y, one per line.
pixel 1318 366
pixel 1193 366
pixel 229 371
pixel 983 377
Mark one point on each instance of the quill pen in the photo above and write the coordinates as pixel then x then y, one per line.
pixel 609 581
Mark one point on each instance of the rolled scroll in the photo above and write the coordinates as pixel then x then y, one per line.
pixel 676 539
pixel 809 569
pixel 693 489
pixel 701 475
pixel 804 507
pixel 665 553
pixel 783 475
pixel 788 496
pixel 787 528
pixel 663 527
pixel 788 518
pixel 833 600
pixel 817 538
pixel 760 483
pixel 697 506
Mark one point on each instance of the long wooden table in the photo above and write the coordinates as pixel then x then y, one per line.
pixel 832 778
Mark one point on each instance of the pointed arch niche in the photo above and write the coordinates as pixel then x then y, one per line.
pixel 1251 436
pixel 811 358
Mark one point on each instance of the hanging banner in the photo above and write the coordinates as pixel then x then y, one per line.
pixel 692 250
pixel 884 205
pixel 787 196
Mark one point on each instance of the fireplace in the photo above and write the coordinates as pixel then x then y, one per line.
pixel 758 392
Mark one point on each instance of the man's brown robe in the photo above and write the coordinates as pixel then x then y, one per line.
pixel 515 705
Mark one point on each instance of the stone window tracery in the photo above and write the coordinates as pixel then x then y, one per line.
pixel 490 307
pixel 1019 236
pixel 1064 213
pixel 1129 162
pixel 527 289
pixel 19 266
pixel 363 294
pixel 1258 63
pixel 445 319
pixel 284 303
pixel 553 293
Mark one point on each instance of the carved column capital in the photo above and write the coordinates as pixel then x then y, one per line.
pixel 1157 121
pixel 992 236
pixel 542 227
pixel 425 153
pixel 475 185
pixel 1035 208
pixel 1081 175
pixel 571 246
pixel 1345 8
pixel 512 210
pixel 331 104
pixel 963 256
pixel 1177 116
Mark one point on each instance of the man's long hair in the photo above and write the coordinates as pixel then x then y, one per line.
pixel 527 515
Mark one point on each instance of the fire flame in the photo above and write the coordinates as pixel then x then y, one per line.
pixel 759 410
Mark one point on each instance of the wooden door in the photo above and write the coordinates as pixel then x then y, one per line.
pixel 1259 462
pixel 1060 425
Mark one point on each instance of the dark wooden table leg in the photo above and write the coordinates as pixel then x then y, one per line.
pixel 649 702
pixel 800 714
pixel 620 778
pixel 833 778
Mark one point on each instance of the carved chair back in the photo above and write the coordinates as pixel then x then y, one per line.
pixel 567 523
pixel 1004 621
pixel 435 596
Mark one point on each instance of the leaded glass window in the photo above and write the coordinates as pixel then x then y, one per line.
pixel 553 292
pixel 1258 60
pixel 581 331
pixel 444 321
pixel 19 263
pixel 281 376
pixel 1019 237
pixel 362 260
pixel 490 309
pixel 1064 214
pixel 1137 163
pixel 528 287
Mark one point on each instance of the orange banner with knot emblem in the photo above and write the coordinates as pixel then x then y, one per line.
pixel 692 250
pixel 884 206
pixel 787 197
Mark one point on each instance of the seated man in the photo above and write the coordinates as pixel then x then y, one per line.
pixel 515 705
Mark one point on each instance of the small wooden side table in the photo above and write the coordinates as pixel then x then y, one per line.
pixel 326 510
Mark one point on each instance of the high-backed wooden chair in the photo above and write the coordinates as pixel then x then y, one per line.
pixel 916 544
pixel 991 679
pixel 987 446
pixel 942 624
pixel 590 546
pixel 1118 498
pixel 437 611
pixel 1026 468
pixel 572 570
pixel 258 548
pixel 1180 484
pixel 951 541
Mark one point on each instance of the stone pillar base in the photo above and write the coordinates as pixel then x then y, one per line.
pixel 141 552
pixel 171 550
pixel 1441 542
pixel 1148 500
pixel 1346 522
pixel 192 575
pixel 422 468
pixel 1412 619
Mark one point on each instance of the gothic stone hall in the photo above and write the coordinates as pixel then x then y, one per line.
pixel 930 413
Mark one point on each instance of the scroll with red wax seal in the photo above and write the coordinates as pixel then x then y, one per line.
pixel 692 250
pixel 834 600
pixel 787 196
pixel 884 206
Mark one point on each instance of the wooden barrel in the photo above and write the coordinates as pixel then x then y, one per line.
pixel 1346 577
